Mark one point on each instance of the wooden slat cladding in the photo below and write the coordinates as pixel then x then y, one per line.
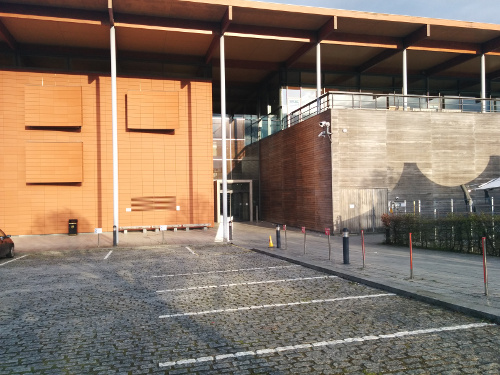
pixel 296 176
pixel 54 162
pixel 53 106
pixel 362 209
pixel 153 110
pixel 153 203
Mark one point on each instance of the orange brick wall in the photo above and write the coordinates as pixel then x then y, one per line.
pixel 152 163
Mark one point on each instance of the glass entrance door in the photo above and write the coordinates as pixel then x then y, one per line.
pixel 238 201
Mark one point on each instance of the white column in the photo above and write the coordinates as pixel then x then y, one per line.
pixel 225 223
pixel 318 77
pixel 114 114
pixel 483 83
pixel 405 81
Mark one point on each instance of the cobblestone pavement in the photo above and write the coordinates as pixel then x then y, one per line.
pixel 220 309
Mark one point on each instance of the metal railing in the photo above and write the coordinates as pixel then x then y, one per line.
pixel 264 126
pixel 396 102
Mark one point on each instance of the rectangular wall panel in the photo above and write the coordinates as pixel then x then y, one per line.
pixel 152 110
pixel 53 106
pixel 54 162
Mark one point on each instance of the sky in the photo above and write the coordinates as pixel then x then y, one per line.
pixel 487 11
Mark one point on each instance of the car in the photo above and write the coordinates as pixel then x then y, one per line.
pixel 6 245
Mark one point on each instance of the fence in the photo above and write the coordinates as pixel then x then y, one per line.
pixel 437 225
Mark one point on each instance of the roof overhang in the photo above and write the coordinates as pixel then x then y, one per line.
pixel 261 38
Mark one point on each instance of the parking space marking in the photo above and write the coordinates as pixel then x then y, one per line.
pixel 225 271
pixel 107 256
pixel 191 251
pixel 320 344
pixel 257 307
pixel 248 283
pixel 4 263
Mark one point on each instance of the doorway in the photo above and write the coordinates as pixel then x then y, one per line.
pixel 239 200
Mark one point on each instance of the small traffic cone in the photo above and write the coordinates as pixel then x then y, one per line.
pixel 270 242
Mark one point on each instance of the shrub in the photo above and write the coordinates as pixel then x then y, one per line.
pixel 459 233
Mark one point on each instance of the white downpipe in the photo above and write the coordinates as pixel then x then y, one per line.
pixel 114 113
pixel 225 224
pixel 405 80
pixel 318 77
pixel 483 83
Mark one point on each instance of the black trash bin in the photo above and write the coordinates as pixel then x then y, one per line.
pixel 72 227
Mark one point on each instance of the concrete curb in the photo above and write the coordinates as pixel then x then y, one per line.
pixel 468 310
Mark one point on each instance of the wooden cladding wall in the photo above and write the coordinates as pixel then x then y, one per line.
pixel 53 106
pixel 150 163
pixel 54 162
pixel 296 174
pixel 153 110
pixel 413 155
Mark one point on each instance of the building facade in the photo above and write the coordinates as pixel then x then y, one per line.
pixel 110 113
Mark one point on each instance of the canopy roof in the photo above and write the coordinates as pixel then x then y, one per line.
pixel 492 184
pixel 260 38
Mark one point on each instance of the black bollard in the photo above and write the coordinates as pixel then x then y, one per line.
pixel 278 236
pixel 345 241
pixel 230 230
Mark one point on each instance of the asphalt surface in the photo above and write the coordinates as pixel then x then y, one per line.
pixel 193 306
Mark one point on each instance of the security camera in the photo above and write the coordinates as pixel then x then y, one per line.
pixel 324 123
pixel 397 198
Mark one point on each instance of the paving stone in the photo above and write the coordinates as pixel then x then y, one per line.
pixel 74 313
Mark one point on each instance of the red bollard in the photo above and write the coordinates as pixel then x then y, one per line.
pixel 411 259
pixel 363 245
pixel 485 269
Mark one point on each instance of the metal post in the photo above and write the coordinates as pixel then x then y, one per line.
pixel 485 268
pixel 318 77
pixel 304 231
pixel 363 245
pixel 278 237
pixel 114 117
pixel 405 80
pixel 225 235
pixel 483 83
pixel 286 243
pixel 411 259
pixel 231 230
pixel 345 243
pixel 329 248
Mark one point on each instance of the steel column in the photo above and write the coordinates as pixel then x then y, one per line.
pixel 225 229
pixel 483 83
pixel 405 80
pixel 114 115
pixel 318 77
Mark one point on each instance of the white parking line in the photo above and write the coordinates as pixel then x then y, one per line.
pixel 226 271
pixel 13 260
pixel 191 251
pixel 257 307
pixel 107 256
pixel 249 283
pixel 320 344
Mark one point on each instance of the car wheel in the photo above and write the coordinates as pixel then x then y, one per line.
pixel 10 254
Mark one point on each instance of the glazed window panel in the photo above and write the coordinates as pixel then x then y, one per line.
pixel 153 110
pixel 53 106
pixel 54 162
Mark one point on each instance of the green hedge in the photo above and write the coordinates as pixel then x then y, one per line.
pixel 458 233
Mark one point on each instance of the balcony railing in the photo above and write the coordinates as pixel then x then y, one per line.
pixel 396 102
